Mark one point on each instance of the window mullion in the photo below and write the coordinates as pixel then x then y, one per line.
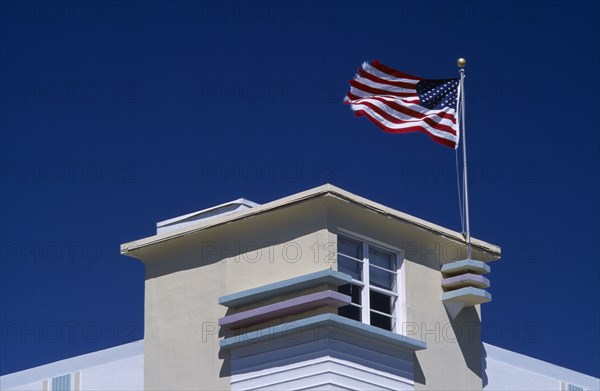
pixel 384 314
pixel 384 269
pixel 350 258
pixel 384 291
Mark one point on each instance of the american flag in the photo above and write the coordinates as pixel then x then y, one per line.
pixel 401 103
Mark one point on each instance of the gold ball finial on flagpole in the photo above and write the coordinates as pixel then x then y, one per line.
pixel 461 62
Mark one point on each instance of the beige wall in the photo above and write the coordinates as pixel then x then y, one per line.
pixel 185 278
pixel 452 359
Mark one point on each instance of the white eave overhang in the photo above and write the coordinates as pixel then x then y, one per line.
pixel 324 190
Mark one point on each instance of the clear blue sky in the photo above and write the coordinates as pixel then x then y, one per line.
pixel 117 115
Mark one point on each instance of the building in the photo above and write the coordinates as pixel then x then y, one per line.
pixel 117 368
pixel 122 368
pixel 319 290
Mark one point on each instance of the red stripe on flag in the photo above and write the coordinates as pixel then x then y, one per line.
pixel 393 72
pixel 388 109
pixel 353 99
pixel 412 129
pixel 373 90
pixel 429 121
pixel 405 110
pixel 376 79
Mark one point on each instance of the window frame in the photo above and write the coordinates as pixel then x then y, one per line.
pixel 398 315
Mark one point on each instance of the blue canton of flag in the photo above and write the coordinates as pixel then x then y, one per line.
pixel 438 94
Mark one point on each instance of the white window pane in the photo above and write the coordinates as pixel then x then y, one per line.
pixel 352 290
pixel 382 258
pixel 352 311
pixel 377 302
pixel 381 302
pixel 382 321
pixel 382 278
pixel 350 266
pixel 350 247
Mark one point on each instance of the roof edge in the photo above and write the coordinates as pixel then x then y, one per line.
pixel 326 189
pixel 240 201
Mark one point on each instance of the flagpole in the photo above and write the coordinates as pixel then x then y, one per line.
pixel 461 62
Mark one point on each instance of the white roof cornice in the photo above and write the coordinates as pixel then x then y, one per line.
pixel 323 190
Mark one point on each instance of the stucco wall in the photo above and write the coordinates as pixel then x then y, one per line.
pixel 186 276
pixel 452 358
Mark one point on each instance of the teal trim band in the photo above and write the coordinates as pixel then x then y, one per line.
pixel 332 320
pixel 465 292
pixel 466 265
pixel 307 281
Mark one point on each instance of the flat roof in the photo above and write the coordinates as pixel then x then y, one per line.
pixel 72 364
pixel 319 191
pixel 239 202
pixel 544 368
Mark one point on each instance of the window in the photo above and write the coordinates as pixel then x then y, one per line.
pixel 571 387
pixel 373 290
pixel 68 382
pixel 61 383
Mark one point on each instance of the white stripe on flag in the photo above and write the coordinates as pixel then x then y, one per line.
pixel 385 87
pixel 382 75
pixel 405 117
pixel 425 126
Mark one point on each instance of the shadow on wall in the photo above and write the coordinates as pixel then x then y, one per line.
pixel 418 374
pixel 484 366
pixel 467 328
pixel 225 356
pixel 470 338
pixel 257 235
